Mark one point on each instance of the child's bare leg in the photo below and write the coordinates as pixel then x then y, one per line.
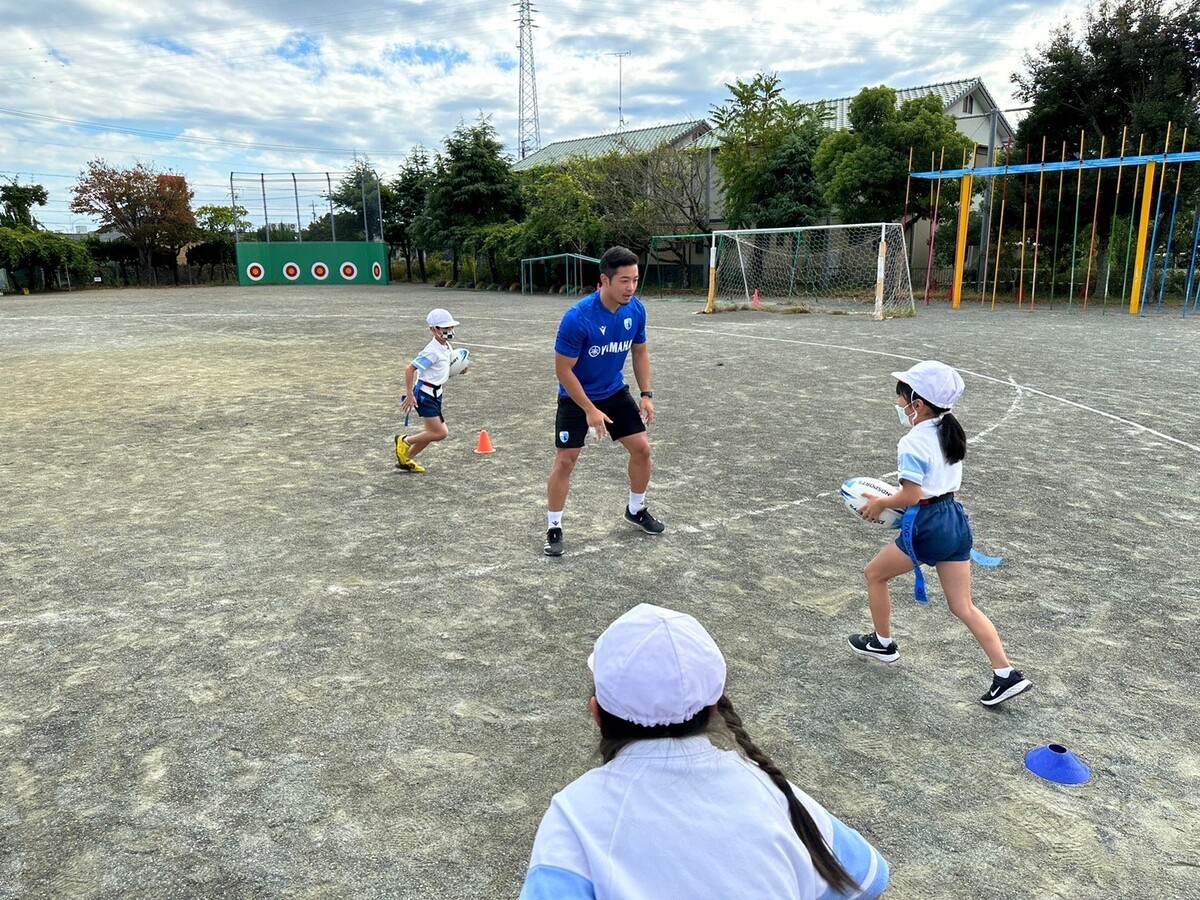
pixel 887 564
pixel 956 585
pixel 435 430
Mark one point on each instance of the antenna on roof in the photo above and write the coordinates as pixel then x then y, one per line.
pixel 620 59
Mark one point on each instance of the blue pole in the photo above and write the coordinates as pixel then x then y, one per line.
pixel 1162 288
pixel 1153 242
pixel 1187 291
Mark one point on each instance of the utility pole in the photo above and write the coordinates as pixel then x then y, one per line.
pixel 529 138
pixel 620 87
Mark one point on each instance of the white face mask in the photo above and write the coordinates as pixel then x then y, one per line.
pixel 902 415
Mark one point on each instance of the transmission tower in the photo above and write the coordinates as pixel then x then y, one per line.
pixel 528 132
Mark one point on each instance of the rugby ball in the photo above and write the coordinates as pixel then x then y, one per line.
pixel 854 495
pixel 459 361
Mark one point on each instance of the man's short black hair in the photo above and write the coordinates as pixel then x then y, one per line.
pixel 616 258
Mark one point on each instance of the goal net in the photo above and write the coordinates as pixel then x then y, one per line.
pixel 822 267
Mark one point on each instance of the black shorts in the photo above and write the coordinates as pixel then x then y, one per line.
pixel 570 423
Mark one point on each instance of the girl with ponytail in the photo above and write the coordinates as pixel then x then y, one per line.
pixel 669 813
pixel 936 531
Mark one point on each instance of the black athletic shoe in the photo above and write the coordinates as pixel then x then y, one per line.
pixel 554 545
pixel 1005 688
pixel 643 520
pixel 869 645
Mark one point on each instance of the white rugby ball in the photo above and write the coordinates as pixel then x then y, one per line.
pixel 460 361
pixel 854 495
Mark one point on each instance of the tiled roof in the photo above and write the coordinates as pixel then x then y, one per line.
pixel 637 140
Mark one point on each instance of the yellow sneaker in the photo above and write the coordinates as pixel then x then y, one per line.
pixel 401 451
pixel 415 467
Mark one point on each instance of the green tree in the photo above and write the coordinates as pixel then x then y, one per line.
pixel 766 156
pixel 151 209
pixel 561 212
pixel 1136 64
pixel 864 170
pixel 28 252
pixel 17 202
pixel 409 188
pixel 472 187
pixel 359 193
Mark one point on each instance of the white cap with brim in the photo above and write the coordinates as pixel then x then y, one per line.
pixel 934 381
pixel 440 318
pixel 654 666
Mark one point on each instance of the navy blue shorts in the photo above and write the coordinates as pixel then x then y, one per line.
pixel 428 406
pixel 570 422
pixel 942 534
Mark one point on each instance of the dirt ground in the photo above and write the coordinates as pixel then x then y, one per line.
pixel 241 655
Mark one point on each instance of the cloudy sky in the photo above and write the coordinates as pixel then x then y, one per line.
pixel 304 86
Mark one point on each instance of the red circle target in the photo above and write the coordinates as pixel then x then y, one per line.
pixel 291 271
pixel 377 271
pixel 255 271
pixel 320 271
pixel 349 271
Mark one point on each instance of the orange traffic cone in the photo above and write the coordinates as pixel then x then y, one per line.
pixel 485 444
pixel 756 302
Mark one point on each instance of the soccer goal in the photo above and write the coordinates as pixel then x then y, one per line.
pixel 821 267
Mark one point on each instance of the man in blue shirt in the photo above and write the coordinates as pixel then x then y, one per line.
pixel 594 338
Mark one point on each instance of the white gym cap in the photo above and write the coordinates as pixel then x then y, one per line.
pixel 440 318
pixel 934 381
pixel 655 666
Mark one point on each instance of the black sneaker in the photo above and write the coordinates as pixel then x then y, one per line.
pixel 554 545
pixel 643 520
pixel 869 645
pixel 1005 688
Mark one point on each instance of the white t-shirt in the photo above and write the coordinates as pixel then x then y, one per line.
pixel 681 818
pixel 922 462
pixel 433 363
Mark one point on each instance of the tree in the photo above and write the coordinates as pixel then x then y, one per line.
pixel 767 146
pixel 17 202
pixel 409 190
pixel 359 192
pixel 151 209
pixel 472 187
pixel 1136 65
pixel 27 251
pixel 864 171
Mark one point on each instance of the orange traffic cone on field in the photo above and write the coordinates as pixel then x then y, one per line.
pixel 485 444
pixel 756 302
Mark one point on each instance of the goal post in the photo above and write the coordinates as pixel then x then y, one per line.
pixel 842 268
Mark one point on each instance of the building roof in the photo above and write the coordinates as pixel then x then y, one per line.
pixel 949 92
pixel 637 140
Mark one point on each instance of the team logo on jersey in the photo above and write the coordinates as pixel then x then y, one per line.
pixel 602 328
pixel 628 324
pixel 593 351
pixel 564 436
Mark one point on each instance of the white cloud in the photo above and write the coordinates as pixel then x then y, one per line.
pixel 302 85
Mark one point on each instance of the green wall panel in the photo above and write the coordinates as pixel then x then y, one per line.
pixel 313 262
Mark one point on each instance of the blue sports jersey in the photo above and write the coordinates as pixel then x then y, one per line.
pixel 600 340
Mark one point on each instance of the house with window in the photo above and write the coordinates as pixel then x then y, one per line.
pixel 968 100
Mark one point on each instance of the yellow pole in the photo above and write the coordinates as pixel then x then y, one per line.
pixel 960 249
pixel 1139 259
pixel 712 277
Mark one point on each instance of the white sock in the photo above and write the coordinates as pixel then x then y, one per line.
pixel 637 502
pixel 554 519
pixel 883 641
pixel 1003 673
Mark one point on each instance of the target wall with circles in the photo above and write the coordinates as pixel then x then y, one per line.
pixel 312 262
